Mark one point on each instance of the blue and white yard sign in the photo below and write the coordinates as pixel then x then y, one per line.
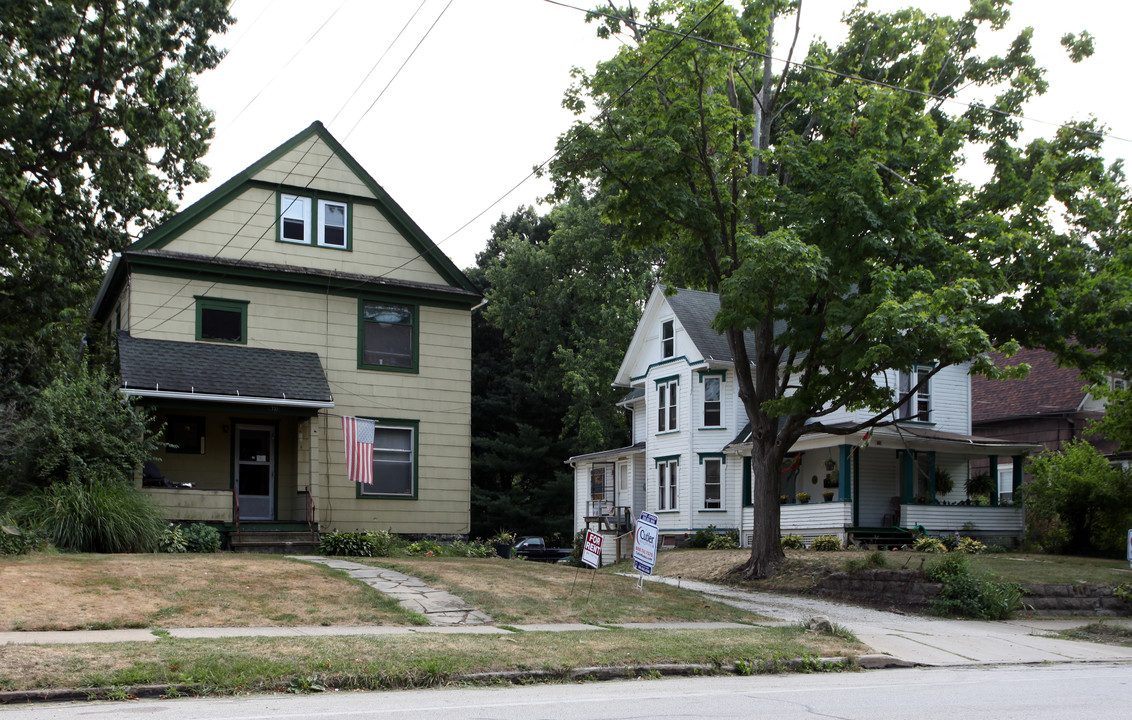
pixel 644 543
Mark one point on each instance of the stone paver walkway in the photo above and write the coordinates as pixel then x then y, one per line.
pixel 440 607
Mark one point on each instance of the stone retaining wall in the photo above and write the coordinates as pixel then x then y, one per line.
pixel 909 589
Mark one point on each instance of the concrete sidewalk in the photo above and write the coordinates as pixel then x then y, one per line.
pixel 926 640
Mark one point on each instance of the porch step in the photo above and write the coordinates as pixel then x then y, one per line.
pixel 274 541
pixel 886 536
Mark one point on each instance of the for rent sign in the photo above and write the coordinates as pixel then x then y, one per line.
pixel 591 550
pixel 644 543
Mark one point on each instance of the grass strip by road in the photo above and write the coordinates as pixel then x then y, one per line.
pixel 1101 632
pixel 250 665
pixel 518 592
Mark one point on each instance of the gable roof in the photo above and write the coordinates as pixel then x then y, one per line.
pixel 1048 389
pixel 230 373
pixel 695 309
pixel 397 217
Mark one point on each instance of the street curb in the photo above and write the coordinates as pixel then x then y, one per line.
pixel 583 674
pixel 591 674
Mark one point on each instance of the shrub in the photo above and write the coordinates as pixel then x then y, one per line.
pixel 873 561
pixel 428 548
pixel 100 515
pixel 995 548
pixel 172 540
pixel 80 429
pixel 793 542
pixel 473 548
pixel 201 538
pixel 929 544
pixel 13 540
pixel 1123 592
pixel 703 537
pixel 826 543
pixel 575 557
pixel 1077 503
pixel 968 595
pixel 723 542
pixel 971 546
pixel 370 543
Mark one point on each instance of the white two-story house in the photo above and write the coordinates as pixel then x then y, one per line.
pixel 690 459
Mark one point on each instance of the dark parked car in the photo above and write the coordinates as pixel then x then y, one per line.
pixel 534 548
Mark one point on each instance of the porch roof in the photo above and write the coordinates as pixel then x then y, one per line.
pixel 600 455
pixel 168 369
pixel 899 437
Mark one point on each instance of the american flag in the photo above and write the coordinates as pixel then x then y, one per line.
pixel 358 433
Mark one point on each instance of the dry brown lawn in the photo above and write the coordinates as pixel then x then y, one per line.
pixel 66 592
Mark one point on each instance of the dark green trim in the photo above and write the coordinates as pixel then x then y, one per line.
pixel 297 280
pixel 204 302
pixel 844 477
pixel 721 456
pixel 666 380
pixel 665 458
pixel 712 510
pixel 708 373
pixel 398 423
pixel 414 367
pixel 666 361
pixel 392 212
pixel 1016 476
pixel 218 407
pixel 994 479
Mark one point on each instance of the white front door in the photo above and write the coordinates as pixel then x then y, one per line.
pixel 255 471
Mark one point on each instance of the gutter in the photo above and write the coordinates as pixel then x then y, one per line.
pixel 237 399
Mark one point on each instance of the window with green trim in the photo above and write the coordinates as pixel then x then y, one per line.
pixel 666 472
pixel 394 461
pixel 713 483
pixel 387 336
pixel 222 320
pixel 713 403
pixel 319 221
pixel 666 405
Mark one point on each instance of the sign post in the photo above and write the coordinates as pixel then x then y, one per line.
pixel 644 545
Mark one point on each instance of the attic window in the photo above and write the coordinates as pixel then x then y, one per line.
pixel 294 219
pixel 314 221
pixel 222 320
pixel 667 339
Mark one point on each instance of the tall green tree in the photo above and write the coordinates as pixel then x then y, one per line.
pixel 823 199
pixel 99 124
pixel 563 301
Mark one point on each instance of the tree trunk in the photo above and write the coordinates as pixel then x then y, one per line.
pixel 766 544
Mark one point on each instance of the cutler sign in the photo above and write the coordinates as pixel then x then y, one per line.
pixel 644 543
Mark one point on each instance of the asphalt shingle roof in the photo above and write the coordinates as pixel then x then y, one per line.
pixel 696 309
pixel 1047 389
pixel 215 369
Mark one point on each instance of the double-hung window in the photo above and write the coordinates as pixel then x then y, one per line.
pixel 394 460
pixel 713 483
pixel 713 405
pixel 666 475
pixel 666 404
pixel 915 392
pixel 667 339
pixel 306 220
pixel 387 336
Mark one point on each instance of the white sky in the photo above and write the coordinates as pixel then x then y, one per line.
pixel 478 104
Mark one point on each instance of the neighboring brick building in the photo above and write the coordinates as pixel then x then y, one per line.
pixel 1049 407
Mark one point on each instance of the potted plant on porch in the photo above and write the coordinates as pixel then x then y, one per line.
pixel 827 495
pixel 803 497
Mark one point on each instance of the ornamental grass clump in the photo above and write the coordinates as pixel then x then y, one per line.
pixel 101 515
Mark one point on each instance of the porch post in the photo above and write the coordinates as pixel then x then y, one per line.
pixel 844 476
pixel 931 479
pixel 907 475
pixel 994 479
pixel 1016 480
pixel 855 493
